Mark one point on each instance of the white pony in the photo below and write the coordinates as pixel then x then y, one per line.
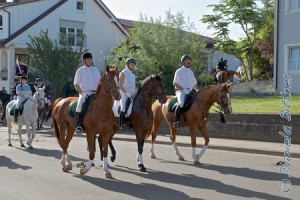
pixel 28 118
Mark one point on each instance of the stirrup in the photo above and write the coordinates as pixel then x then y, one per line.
pixel 79 130
pixel 176 124
pixel 123 127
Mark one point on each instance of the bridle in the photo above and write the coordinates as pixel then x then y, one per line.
pixel 153 88
pixel 108 88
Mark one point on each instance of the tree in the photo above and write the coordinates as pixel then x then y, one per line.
pixel 158 46
pixel 56 63
pixel 245 13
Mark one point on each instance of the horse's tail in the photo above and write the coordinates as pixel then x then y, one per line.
pixel 52 107
pixel 56 130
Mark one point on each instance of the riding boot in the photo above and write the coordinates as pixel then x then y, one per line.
pixel 16 115
pixel 78 127
pixel 122 121
pixel 176 117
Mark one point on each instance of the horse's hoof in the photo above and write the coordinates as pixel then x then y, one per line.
pixel 197 162
pixel 22 145
pixel 70 167
pixel 113 158
pixel 153 156
pixel 83 171
pixel 65 169
pixel 108 175
pixel 142 168
pixel 181 158
pixel 30 147
pixel 10 145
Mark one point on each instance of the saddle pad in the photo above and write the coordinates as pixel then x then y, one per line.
pixel 171 107
pixel 72 109
pixel 12 110
pixel 117 109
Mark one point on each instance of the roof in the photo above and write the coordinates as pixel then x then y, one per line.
pixel 130 24
pixel 101 5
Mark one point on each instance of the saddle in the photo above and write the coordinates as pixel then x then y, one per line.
pixel 85 106
pixel 188 101
pixel 12 110
pixel 128 108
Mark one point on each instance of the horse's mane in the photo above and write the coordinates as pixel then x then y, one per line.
pixel 147 79
pixel 100 83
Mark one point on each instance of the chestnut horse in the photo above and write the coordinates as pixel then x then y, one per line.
pixel 224 76
pixel 141 117
pixel 196 117
pixel 98 120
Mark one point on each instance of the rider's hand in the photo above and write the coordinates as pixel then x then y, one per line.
pixel 128 94
pixel 84 95
pixel 186 91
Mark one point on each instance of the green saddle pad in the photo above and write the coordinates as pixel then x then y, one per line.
pixel 171 105
pixel 72 109
pixel 12 110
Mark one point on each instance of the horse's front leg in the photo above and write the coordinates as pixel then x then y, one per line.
pixel 106 138
pixel 29 135
pixel 91 147
pixel 140 143
pixel 174 144
pixel 206 138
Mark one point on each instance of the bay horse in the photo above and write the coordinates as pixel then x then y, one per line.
pixel 196 117
pixel 224 76
pixel 43 108
pixel 97 120
pixel 141 117
pixel 28 118
pixel 5 98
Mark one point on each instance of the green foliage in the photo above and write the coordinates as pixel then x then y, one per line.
pixel 158 45
pixel 251 19
pixel 55 63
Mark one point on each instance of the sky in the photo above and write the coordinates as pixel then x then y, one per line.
pixel 194 9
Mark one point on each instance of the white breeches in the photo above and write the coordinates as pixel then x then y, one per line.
pixel 180 97
pixel 123 101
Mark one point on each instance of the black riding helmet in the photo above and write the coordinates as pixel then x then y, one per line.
pixel 38 80
pixel 185 57
pixel 130 60
pixel 23 77
pixel 86 55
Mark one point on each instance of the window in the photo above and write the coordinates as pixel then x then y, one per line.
pixel 80 5
pixel 1 23
pixel 73 36
pixel 294 59
pixel 293 5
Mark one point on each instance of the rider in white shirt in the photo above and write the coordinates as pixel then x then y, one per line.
pixel 85 82
pixel 127 87
pixel 184 81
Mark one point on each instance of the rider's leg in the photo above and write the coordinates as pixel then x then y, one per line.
pixel 78 116
pixel 123 108
pixel 180 97
pixel 19 102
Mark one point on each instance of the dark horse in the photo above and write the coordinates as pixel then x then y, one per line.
pixel 196 117
pixel 141 117
pixel 5 99
pixel 98 120
pixel 223 76
pixel 43 108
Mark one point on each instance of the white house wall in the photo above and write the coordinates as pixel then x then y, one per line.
pixel 101 34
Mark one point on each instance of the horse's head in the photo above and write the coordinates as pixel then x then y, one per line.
pixel 213 70
pixel 112 82
pixel 40 92
pixel 224 98
pixel 155 88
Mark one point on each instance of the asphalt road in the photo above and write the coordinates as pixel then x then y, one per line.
pixel 36 173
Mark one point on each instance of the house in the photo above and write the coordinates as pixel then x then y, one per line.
pixel 287 45
pixel 83 22
pixel 212 55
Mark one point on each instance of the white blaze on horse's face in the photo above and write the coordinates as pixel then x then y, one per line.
pixel 229 103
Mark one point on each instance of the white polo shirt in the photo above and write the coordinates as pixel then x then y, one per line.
pixel 87 78
pixel 185 78
pixel 129 80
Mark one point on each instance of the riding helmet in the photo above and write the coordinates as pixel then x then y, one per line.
pixel 185 57
pixel 23 77
pixel 130 60
pixel 38 80
pixel 86 55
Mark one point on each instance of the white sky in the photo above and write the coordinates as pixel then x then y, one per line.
pixel 131 9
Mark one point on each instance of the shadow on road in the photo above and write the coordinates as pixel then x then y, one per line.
pixel 7 162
